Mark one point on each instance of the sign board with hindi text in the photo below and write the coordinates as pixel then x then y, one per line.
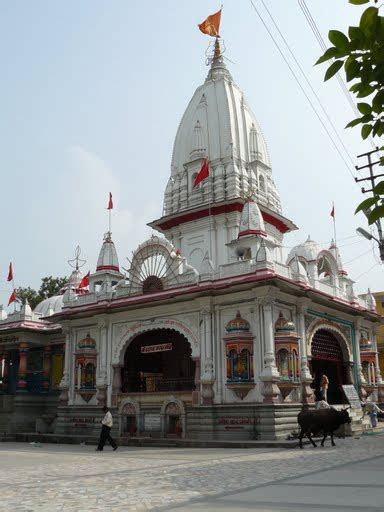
pixel 352 396
pixel 162 347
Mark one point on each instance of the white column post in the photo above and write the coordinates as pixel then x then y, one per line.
pixel 64 383
pixel 358 355
pixel 269 375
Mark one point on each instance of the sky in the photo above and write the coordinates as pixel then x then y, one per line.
pixel 92 93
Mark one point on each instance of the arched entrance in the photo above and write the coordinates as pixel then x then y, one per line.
pixel 156 361
pixel 327 358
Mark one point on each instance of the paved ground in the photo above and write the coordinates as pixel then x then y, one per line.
pixel 76 478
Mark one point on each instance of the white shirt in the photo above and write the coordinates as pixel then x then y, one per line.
pixel 107 420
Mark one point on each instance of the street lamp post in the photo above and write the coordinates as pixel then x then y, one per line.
pixel 369 236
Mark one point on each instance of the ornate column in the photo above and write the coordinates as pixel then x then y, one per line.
pixel 116 385
pixel 22 373
pixel 64 384
pixel 5 371
pixel 360 376
pixel 379 380
pixel 196 391
pixel 307 395
pixel 270 375
pixel 207 378
pixel 1 370
pixel 101 381
pixel 47 367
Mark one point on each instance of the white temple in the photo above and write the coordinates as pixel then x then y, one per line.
pixel 212 333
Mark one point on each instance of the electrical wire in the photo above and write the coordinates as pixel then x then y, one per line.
pixel 309 84
pixel 323 46
pixel 302 89
pixel 357 257
pixel 366 272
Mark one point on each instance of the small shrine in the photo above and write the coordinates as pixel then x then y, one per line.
pixel 368 359
pixel 85 367
pixel 239 356
pixel 287 355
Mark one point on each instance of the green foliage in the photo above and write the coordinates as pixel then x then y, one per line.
pixel 49 287
pixel 30 294
pixel 361 53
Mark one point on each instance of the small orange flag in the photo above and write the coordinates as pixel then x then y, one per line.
pixel 211 26
pixel 12 298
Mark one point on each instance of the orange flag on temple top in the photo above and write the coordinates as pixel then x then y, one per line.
pixel 211 26
pixel 12 298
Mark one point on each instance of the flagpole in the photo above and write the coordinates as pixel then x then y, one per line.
pixel 109 215
pixel 334 224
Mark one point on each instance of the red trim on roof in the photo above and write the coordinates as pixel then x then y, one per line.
pixel 107 267
pixel 247 232
pixel 217 210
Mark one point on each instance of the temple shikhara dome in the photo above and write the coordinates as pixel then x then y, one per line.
pixel 219 124
pixel 211 331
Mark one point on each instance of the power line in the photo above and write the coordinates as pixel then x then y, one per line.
pixel 309 83
pixel 323 46
pixel 301 87
pixel 366 272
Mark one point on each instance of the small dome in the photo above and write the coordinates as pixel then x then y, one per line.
pixel 284 325
pixel 87 342
pixel 252 222
pixel 50 306
pixel 108 256
pixel 237 324
pixel 309 251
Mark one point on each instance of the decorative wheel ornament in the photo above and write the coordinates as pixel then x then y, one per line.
pixel 154 264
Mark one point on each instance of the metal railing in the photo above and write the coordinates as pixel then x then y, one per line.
pixel 156 384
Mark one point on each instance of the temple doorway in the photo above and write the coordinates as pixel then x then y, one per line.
pixel 327 358
pixel 158 360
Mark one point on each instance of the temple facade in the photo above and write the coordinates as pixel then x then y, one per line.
pixel 212 332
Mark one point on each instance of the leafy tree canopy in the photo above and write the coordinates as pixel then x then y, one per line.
pixel 361 54
pixel 49 287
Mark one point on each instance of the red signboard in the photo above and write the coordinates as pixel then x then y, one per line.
pixel 163 347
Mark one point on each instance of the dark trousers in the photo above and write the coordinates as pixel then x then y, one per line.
pixel 106 436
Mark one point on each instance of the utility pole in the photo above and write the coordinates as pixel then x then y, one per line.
pixel 371 178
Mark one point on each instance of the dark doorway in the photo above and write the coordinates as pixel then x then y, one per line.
pixel 158 360
pixel 327 358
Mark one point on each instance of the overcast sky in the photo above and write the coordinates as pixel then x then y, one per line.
pixel 92 92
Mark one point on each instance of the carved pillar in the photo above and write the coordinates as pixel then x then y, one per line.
pixel 5 371
pixel 103 331
pixel 116 385
pixel 196 391
pixel 64 384
pixel 101 381
pixel 307 395
pixel 270 375
pixel 360 376
pixel 207 378
pixel 1 371
pixel 22 373
pixel 47 367
pixel 379 379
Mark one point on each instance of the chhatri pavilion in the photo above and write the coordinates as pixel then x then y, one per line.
pixel 212 332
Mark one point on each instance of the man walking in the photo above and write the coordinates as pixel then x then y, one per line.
pixel 105 434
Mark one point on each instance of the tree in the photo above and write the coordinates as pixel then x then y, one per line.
pixel 361 53
pixel 30 294
pixel 49 287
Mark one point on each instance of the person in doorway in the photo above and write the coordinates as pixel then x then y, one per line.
pixel 105 434
pixel 324 383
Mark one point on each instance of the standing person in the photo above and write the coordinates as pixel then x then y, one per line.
pixel 105 434
pixel 373 410
pixel 324 383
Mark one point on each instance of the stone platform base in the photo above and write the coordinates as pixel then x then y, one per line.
pixel 253 422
